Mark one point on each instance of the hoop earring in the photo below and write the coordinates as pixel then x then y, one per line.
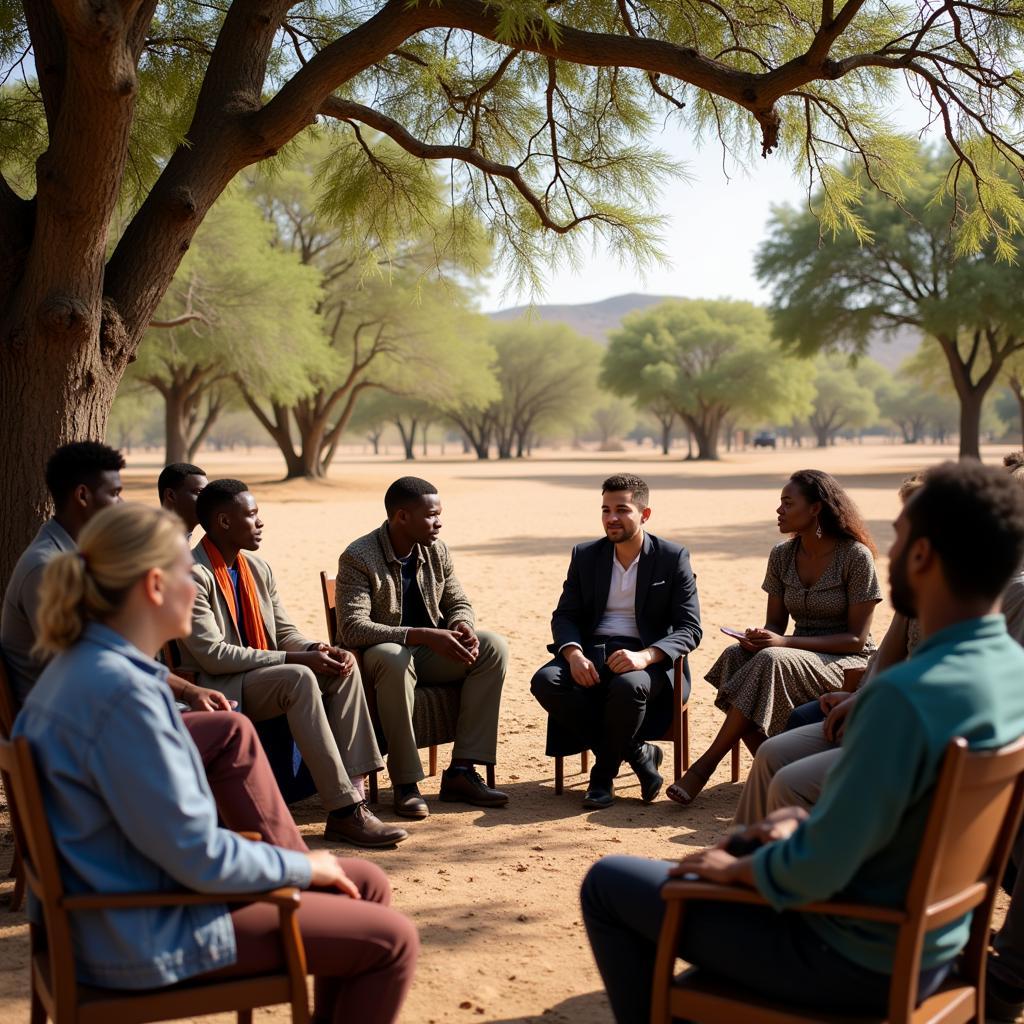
pixel 817 528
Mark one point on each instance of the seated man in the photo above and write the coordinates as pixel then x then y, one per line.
pixel 83 478
pixel 178 487
pixel 243 644
pixel 398 599
pixel 628 609
pixel 957 542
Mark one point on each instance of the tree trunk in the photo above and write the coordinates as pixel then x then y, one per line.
pixel 970 423
pixel 175 433
pixel 49 395
pixel 666 436
pixel 706 432
pixel 408 438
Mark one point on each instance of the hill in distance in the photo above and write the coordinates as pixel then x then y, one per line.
pixel 597 320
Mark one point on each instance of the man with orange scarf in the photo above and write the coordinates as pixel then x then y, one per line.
pixel 244 645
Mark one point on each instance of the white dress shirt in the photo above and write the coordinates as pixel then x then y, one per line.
pixel 619 617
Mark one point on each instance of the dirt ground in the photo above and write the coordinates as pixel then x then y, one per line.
pixel 494 893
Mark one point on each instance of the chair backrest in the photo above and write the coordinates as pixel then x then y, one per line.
pixel 7 709
pixel 40 865
pixel 974 817
pixel 330 613
pixel 973 820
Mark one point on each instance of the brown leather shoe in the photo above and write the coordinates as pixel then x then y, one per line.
pixel 409 802
pixel 464 785
pixel 362 828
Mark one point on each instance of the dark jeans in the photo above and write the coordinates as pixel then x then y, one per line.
pixel 774 954
pixel 606 717
pixel 1007 962
pixel 805 714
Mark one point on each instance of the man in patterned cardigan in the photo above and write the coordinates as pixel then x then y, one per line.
pixel 399 601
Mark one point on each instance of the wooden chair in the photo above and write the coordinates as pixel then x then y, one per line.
pixel 678 733
pixel 7 713
pixel 436 710
pixel 974 817
pixel 57 995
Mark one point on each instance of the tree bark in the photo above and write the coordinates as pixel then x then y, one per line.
pixel 408 437
pixel 706 430
pixel 49 395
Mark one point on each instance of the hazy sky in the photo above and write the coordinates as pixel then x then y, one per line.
pixel 714 226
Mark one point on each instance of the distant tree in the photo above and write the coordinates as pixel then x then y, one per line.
pixel 547 377
pixel 886 270
pixel 613 418
pixel 706 359
pixel 844 396
pixel 134 419
pixel 238 307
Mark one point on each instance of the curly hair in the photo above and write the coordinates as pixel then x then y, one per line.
pixel 628 482
pixel 973 516
pixel 839 516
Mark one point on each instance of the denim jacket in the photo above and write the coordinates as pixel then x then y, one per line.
pixel 131 811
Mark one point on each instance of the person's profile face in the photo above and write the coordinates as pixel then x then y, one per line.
pixel 105 491
pixel 241 522
pixel 795 513
pixel 182 499
pixel 901 593
pixel 621 517
pixel 422 521
pixel 180 595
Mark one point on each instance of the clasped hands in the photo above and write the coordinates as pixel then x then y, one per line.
pixel 324 658
pixel 716 864
pixel 585 673
pixel 755 640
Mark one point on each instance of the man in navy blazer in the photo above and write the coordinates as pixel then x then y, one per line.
pixel 628 609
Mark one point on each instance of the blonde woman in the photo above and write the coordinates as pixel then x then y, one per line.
pixel 130 809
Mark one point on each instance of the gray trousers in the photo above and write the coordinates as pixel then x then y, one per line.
pixel 394 670
pixel 789 770
pixel 329 721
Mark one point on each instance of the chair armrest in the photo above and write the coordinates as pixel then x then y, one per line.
pixel 681 890
pixel 288 896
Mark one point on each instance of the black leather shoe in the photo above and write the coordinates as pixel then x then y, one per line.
pixel 464 785
pixel 409 802
pixel 645 766
pixel 599 795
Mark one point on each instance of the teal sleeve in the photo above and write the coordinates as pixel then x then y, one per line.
pixel 864 800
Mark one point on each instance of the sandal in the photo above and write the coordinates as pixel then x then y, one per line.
pixel 688 788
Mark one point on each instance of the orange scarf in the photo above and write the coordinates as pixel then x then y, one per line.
pixel 252 620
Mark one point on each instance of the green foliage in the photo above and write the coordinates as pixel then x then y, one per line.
pixel 257 305
pixel 707 360
pixel 844 395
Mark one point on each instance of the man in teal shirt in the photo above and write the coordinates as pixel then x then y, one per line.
pixel 958 541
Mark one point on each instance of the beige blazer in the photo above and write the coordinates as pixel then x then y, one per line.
pixel 214 651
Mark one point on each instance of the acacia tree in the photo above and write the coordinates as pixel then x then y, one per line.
pixel 153 107
pixel 710 360
pixel 844 396
pixel 237 306
pixel 891 270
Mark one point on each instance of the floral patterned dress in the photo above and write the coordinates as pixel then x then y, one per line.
pixel 766 686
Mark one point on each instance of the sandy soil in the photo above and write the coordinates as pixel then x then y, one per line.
pixel 494 893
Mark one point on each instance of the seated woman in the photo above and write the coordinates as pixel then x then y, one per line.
pixel 131 811
pixel 824 578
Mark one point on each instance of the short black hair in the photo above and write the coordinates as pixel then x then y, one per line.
pixel 174 475
pixel 214 496
pixel 973 515
pixel 627 482
pixel 77 463
pixel 405 492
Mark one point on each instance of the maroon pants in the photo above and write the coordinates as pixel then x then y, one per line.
pixel 361 953
pixel 240 777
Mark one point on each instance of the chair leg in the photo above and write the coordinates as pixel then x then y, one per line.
pixel 735 775
pixel 18 893
pixel 490 776
pixel 686 741
pixel 559 775
pixel 37 1012
pixel 373 788
pixel 245 1017
pixel 584 762
pixel 433 761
